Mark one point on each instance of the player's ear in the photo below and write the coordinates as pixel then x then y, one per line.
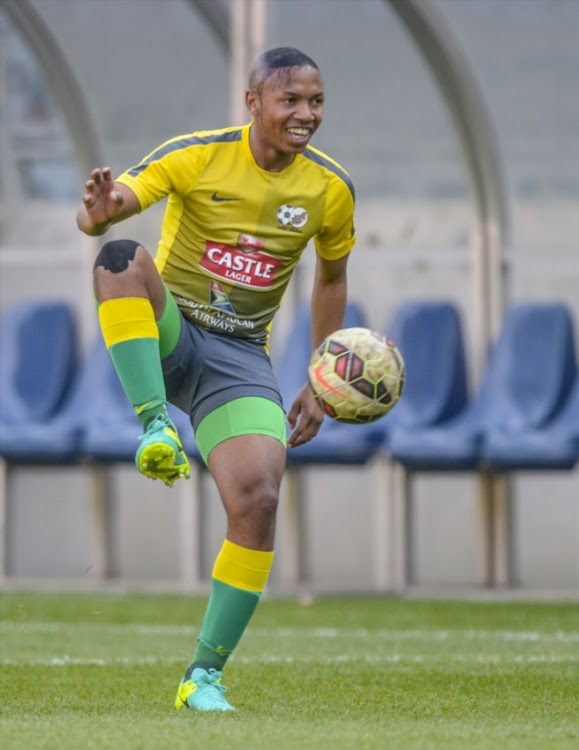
pixel 252 102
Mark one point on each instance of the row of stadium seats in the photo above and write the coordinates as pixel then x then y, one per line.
pixel 525 416
pixel 58 407
pixel 54 407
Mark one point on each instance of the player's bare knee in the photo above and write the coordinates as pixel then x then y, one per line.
pixel 256 503
pixel 267 501
pixel 116 255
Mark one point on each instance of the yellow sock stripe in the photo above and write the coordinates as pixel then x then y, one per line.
pixel 241 567
pixel 127 318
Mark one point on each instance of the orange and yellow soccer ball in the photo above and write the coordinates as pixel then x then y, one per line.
pixel 357 375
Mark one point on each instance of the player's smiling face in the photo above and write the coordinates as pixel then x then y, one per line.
pixel 287 110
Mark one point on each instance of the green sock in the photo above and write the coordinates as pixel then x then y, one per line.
pixel 132 339
pixel 138 366
pixel 228 613
pixel 239 577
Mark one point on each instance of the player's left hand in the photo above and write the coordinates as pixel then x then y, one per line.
pixel 305 418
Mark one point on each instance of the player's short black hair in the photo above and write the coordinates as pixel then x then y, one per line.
pixel 276 59
pixel 286 57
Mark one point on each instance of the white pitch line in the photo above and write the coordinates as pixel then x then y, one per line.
pixel 72 661
pixel 179 631
pixel 76 661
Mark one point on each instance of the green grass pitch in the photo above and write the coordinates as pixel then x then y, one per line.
pixel 83 671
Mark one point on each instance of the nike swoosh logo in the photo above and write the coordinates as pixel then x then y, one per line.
pixel 220 199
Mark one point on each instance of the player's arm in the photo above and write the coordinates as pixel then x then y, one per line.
pixel 105 202
pixel 329 295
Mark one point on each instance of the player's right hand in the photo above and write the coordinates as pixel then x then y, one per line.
pixel 102 201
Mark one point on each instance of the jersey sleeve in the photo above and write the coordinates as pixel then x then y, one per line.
pixel 171 168
pixel 338 234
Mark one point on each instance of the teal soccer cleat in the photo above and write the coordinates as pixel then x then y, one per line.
pixel 160 454
pixel 201 690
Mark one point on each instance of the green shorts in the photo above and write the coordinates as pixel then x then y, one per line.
pixel 225 384
pixel 249 415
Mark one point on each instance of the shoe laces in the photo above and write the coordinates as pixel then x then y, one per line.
pixel 210 679
pixel 160 422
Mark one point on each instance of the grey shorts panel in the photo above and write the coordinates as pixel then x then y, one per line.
pixel 206 370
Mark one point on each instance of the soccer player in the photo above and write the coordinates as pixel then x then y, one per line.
pixel 191 326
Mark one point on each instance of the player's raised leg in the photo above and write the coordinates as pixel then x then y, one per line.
pixel 134 307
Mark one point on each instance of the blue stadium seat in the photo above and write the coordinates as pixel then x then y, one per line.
pixel 529 377
pixel 39 363
pixel 110 427
pixel 550 446
pixel 429 336
pixel 336 443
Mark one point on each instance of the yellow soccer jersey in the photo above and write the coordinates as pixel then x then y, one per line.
pixel 232 232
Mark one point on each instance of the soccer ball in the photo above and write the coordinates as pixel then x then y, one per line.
pixel 356 375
